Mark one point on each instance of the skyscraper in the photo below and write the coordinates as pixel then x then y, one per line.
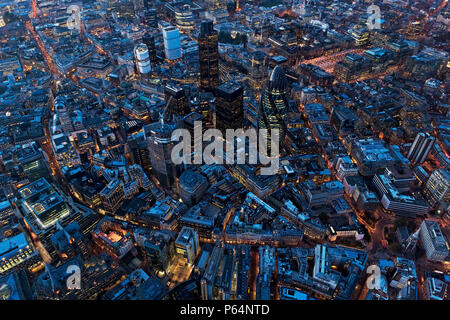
pixel 229 106
pixel 160 146
pixel 274 103
pixel 421 146
pixel 258 69
pixel 142 59
pixel 151 17
pixel 172 44
pixel 178 106
pixel 184 18
pixel 209 56
pixel 149 40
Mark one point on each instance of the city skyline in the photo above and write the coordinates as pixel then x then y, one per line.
pixel 115 119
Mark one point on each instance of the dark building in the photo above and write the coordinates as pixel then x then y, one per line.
pixel 229 106
pixel 160 249
pixel 149 41
pixel 160 147
pixel 343 119
pixel 140 153
pixel 208 52
pixel 151 17
pixel 178 106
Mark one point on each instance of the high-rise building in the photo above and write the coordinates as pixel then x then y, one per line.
pixel 151 17
pixel 149 41
pixel 258 69
pixel 178 106
pixel 229 106
pixel 208 52
pixel 274 104
pixel 184 18
pixel 433 241
pixel 142 59
pixel 172 44
pixel 421 147
pixel 160 147
pixel 140 153
pixel 187 244
pixel 438 185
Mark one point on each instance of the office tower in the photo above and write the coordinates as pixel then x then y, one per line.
pixel 184 18
pixel 208 53
pixel 149 41
pixel 274 103
pixel 421 146
pixel 160 146
pixel 433 241
pixel 187 245
pixel 151 18
pixel 112 195
pixel 438 185
pixel 140 153
pixel 142 59
pixel 159 249
pixel 178 106
pixel 172 44
pixel 229 106
pixel 190 122
pixel 258 69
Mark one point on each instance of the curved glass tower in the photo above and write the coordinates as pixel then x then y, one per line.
pixel 274 104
